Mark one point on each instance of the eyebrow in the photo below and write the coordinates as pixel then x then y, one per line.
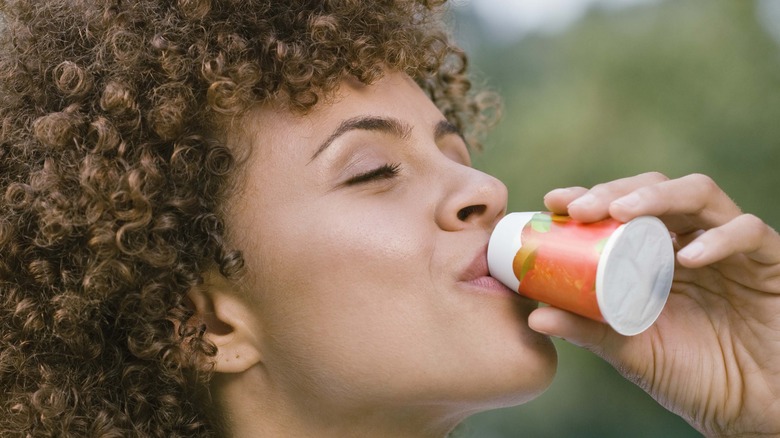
pixel 443 128
pixel 366 123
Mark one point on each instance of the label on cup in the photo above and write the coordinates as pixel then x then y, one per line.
pixel 608 271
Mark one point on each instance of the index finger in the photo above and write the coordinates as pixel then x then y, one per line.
pixel 686 204
pixel 590 205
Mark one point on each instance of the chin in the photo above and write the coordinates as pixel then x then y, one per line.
pixel 532 375
pixel 528 378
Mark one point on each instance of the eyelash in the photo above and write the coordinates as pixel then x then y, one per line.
pixel 385 171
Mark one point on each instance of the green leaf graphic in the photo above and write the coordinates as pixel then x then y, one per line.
pixel 601 244
pixel 528 264
pixel 541 223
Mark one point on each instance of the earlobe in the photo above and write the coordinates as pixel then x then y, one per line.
pixel 230 323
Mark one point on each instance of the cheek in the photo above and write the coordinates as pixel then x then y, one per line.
pixel 340 299
pixel 333 248
pixel 325 268
pixel 331 267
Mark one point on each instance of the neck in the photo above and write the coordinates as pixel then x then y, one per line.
pixel 246 409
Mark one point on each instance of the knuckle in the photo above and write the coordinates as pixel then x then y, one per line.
pixel 654 194
pixel 652 191
pixel 704 181
pixel 752 220
pixel 717 234
pixel 655 176
pixel 754 224
pixel 602 189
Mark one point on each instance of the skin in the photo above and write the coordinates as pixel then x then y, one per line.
pixel 367 310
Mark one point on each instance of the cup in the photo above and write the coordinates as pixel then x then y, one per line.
pixel 608 271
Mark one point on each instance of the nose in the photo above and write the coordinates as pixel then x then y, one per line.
pixel 473 198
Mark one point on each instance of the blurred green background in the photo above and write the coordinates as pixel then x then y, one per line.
pixel 676 86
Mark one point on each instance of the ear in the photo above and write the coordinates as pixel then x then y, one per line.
pixel 230 323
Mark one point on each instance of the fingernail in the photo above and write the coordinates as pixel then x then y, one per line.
pixel 561 191
pixel 541 332
pixel 556 192
pixel 583 201
pixel 692 251
pixel 628 201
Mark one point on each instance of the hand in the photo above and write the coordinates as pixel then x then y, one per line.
pixel 713 355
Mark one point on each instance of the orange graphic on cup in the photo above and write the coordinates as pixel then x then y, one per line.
pixel 558 261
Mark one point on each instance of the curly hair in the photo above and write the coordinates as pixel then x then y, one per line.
pixel 113 168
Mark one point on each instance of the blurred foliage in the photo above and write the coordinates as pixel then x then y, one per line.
pixel 680 86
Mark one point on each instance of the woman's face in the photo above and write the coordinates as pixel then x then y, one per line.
pixel 364 231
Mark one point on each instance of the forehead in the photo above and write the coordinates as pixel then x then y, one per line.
pixel 272 127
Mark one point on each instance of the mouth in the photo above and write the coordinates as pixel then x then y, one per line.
pixel 477 276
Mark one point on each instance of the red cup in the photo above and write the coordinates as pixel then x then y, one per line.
pixel 607 271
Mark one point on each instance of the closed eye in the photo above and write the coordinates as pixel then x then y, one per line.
pixel 385 171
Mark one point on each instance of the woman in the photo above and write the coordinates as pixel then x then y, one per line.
pixel 247 218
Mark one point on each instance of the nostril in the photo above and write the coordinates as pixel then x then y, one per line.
pixel 466 212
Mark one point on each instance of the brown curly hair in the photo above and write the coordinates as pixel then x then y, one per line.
pixel 113 168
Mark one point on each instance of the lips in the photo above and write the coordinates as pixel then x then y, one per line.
pixel 477 274
pixel 477 268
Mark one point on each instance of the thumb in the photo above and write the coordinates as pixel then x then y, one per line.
pixel 632 356
pixel 592 335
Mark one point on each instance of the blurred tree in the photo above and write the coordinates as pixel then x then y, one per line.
pixel 679 87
